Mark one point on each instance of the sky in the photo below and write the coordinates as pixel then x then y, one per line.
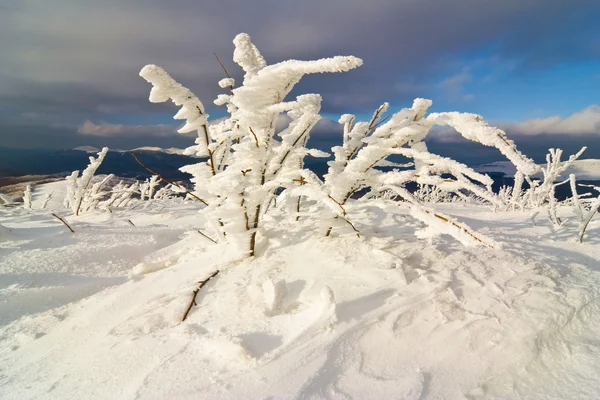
pixel 69 68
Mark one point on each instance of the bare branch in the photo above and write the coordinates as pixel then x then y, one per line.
pixel 168 181
pixel 63 221
pixel 195 293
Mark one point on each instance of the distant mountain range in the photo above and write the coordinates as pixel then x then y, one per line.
pixel 18 162
pixel 171 150
pixel 588 170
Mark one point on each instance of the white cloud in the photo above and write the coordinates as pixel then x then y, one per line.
pixel 324 126
pixel 584 122
pixel 453 87
pixel 106 129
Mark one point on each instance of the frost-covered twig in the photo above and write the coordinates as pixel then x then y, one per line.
pixel 195 293
pixel 166 180
pixel 77 186
pixel 64 222
pixel 588 218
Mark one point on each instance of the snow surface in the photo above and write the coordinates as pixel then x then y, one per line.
pixel 97 314
pixel 585 170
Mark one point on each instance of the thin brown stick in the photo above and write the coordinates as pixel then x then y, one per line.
pixel 593 211
pixel 465 230
pixel 255 137
pixel 63 221
pixel 222 66
pixel 195 293
pixel 253 234
pixel 132 224
pixel 338 203
pixel 168 181
pixel 206 236
pixel 352 225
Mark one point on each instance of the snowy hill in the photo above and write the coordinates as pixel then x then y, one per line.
pixel 97 314
pixel 87 149
pixel 171 150
pixel 19 162
pixel 585 170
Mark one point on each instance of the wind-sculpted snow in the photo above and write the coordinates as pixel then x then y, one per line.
pixel 97 314
pixel 267 281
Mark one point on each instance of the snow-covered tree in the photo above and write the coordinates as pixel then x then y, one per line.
pixel 247 160
pixel 77 187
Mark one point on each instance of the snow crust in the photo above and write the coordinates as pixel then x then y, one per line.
pixel 97 314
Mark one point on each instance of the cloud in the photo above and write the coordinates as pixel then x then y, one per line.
pixel 79 60
pixel 453 87
pixel 106 129
pixel 581 124
pixel 584 122
pixel 96 49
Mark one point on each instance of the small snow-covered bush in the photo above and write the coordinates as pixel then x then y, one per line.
pixel 78 186
pixel 541 193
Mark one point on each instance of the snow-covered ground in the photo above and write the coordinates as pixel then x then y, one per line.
pixel 97 314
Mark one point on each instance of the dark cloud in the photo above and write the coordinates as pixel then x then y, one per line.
pixel 75 60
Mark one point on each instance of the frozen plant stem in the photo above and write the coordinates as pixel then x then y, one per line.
pixel 166 180
pixel 588 219
pixel 63 221
pixel 195 293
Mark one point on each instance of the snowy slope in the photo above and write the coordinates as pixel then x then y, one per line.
pixel 97 314
pixel 170 150
pixel 87 149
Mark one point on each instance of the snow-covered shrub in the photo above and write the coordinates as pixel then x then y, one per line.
pixel 367 147
pixel 247 160
pixel 27 197
pixel 148 187
pixel 164 192
pixel 541 193
pixel 587 211
pixel 95 194
pixel 121 195
pixel 430 194
pixel 77 186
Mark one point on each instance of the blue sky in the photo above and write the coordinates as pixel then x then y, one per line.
pixel 69 71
